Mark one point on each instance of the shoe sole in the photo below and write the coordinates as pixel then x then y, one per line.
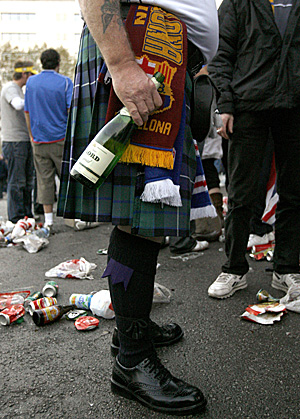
pixel 237 288
pixel 114 350
pixel 120 390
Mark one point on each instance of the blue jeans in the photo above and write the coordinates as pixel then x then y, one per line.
pixel 20 179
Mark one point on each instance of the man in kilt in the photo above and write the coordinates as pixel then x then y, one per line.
pixel 140 224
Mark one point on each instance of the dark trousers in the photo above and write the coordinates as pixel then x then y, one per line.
pixel 20 179
pixel 245 157
pixel 211 173
pixel 257 225
pixel 3 177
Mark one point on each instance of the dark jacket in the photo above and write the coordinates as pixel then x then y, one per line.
pixel 254 68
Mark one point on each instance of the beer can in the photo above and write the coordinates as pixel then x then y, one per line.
pixel 32 297
pixel 50 289
pixel 11 314
pixel 41 303
pixel 81 300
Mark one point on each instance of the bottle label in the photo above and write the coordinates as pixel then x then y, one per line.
pixel 95 158
pixel 50 313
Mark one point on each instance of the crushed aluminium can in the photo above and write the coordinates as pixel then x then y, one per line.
pixel 50 289
pixel 11 314
pixel 86 323
pixel 75 314
pixel 32 297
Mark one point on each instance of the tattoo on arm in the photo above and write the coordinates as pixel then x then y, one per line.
pixel 110 9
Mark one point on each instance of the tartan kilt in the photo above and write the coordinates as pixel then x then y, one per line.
pixel 118 199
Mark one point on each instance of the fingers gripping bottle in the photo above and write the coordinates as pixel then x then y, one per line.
pixel 105 150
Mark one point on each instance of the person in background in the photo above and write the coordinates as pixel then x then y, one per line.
pixel 139 225
pixel 3 176
pixel 47 102
pixel 256 70
pixel 16 145
pixel 210 228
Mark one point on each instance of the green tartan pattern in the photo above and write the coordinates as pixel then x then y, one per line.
pixel 118 199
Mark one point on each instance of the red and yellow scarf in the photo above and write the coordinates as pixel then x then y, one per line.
pixel 159 41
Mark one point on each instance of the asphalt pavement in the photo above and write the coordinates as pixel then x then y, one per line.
pixel 246 370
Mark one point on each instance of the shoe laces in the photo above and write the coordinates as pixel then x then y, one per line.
pixel 156 369
pixel 224 277
pixel 295 278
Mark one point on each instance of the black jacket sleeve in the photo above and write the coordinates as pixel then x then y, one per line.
pixel 222 66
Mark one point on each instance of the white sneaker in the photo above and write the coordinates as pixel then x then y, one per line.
pixel 255 240
pixel 226 285
pixel 83 225
pixel 200 245
pixel 285 281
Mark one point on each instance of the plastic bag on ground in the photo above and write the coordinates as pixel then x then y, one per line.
pixel 32 243
pixel 101 305
pixel 74 268
pixel 161 294
pixel 292 299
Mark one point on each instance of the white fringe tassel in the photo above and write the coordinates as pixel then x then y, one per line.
pixel 205 212
pixel 163 191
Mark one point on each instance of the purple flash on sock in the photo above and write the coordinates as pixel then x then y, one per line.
pixel 119 273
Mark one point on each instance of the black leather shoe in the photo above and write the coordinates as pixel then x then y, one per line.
pixel 152 385
pixel 164 335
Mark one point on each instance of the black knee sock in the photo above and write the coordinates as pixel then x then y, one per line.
pixel 131 270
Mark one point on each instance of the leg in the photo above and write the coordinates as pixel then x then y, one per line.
pixel 29 173
pixel 137 373
pixel 257 226
pixel 208 228
pixel 245 155
pixel 286 134
pixel 132 298
pixel 37 208
pixel 16 155
pixel 45 173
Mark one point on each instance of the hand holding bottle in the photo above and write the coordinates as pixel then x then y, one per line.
pixel 136 91
pixel 105 150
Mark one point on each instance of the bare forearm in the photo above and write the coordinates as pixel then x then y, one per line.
pixel 104 21
pixel 131 84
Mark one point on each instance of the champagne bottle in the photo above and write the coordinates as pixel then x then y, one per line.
pixel 50 314
pixel 105 150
